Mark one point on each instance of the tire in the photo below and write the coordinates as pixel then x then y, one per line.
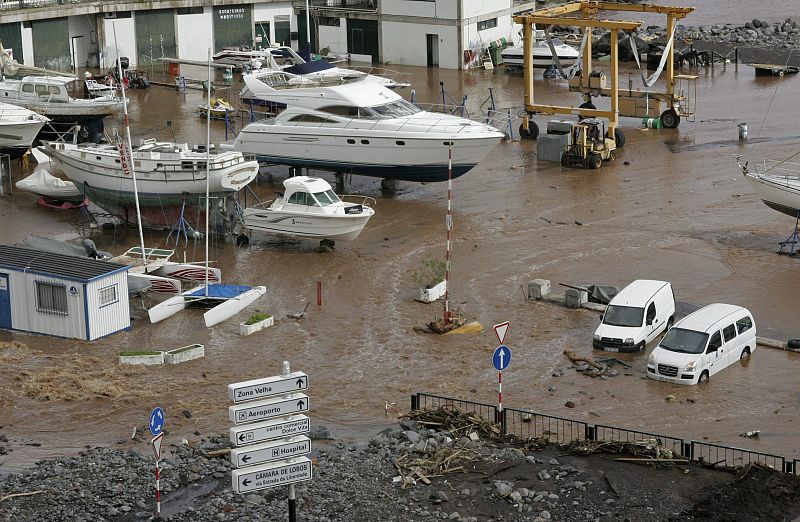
pixel 619 138
pixel 670 119
pixel 531 134
pixel 745 355
pixel 640 347
pixel 794 344
pixel 670 322
pixel 703 378
pixel 586 105
pixel 595 161
pixel 612 156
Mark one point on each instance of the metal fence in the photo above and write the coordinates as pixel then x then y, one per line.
pixel 530 424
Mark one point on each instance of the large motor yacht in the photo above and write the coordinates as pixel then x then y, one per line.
pixel 360 127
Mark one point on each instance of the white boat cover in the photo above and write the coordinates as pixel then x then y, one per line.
pixel 43 183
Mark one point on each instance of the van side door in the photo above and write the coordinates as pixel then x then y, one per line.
pixel 651 323
pixel 730 345
pixel 712 356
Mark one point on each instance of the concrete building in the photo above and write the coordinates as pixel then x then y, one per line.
pixel 61 295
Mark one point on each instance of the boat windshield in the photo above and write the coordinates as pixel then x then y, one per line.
pixel 684 341
pixel 326 198
pixel 623 316
pixel 395 109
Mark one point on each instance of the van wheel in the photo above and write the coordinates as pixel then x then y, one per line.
pixel 640 346
pixel 669 324
pixel 703 378
pixel 745 356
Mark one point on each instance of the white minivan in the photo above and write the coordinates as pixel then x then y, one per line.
pixel 703 343
pixel 635 316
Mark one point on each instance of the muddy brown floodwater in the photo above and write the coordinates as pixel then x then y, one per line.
pixel 673 206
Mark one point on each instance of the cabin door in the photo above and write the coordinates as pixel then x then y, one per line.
pixel 433 50
pixel 5 302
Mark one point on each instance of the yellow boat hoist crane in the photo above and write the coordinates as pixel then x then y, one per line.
pixel 678 100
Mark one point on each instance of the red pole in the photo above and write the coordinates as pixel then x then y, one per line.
pixel 158 490
pixel 449 223
pixel 319 293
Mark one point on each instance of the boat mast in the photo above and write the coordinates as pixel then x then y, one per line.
pixel 208 157
pixel 128 155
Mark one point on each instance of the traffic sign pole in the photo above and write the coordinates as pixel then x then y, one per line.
pixel 501 358
pixel 156 428
pixel 291 492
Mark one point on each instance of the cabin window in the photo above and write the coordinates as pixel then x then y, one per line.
pixel 27 88
pixel 342 110
pixel 351 141
pixel 326 198
pixel 41 90
pixel 365 142
pixel 108 295
pixel 98 158
pixel 116 161
pixel 51 298
pixel 309 118
pixel 301 198
pixel 395 109
pixel 53 89
pixel 487 24
pixel 187 165
pixel 401 143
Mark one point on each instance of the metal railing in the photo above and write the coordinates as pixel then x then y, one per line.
pixel 339 5
pixel 529 424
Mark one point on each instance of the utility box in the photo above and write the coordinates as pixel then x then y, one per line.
pixel 496 55
pixel 597 80
pixel 549 147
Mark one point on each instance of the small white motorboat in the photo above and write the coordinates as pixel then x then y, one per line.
pixel 310 208
pixel 42 183
pixel 514 57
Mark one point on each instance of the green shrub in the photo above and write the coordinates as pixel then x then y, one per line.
pixel 430 274
pixel 256 318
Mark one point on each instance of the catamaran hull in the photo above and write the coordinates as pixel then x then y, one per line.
pixel 777 193
pixel 392 157
pixel 335 228
pixel 231 307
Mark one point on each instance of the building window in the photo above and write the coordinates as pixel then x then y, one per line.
pixel 330 21
pixel 108 295
pixel 487 24
pixel 51 298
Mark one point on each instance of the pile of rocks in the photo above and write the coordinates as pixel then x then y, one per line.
pixel 757 34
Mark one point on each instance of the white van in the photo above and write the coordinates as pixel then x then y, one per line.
pixel 702 344
pixel 635 316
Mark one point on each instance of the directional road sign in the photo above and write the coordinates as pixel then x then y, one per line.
pixel 269 451
pixel 261 431
pixel 156 421
pixel 156 442
pixel 500 330
pixel 255 411
pixel 260 388
pixel 271 475
pixel 501 358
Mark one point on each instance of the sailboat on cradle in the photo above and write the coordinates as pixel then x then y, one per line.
pixel 226 300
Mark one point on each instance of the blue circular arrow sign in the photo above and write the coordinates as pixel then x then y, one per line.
pixel 501 358
pixel 156 421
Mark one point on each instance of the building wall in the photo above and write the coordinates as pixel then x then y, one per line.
pixel 473 37
pixel 126 39
pixel 111 318
pixel 413 50
pixel 194 35
pixel 267 13
pixel 24 313
pixel 334 38
pixel 434 9
pixel 81 47
pixel 471 8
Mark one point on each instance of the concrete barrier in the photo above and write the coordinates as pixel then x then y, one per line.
pixel 575 298
pixel 186 353
pixel 538 289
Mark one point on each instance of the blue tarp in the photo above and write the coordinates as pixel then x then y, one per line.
pixel 309 67
pixel 220 291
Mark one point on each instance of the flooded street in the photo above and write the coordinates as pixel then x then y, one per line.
pixel 674 206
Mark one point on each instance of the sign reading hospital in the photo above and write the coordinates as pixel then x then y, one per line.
pixel 255 411
pixel 269 451
pixel 271 475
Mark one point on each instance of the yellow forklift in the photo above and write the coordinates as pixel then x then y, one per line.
pixel 588 146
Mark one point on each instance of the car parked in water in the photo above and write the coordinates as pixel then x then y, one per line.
pixel 636 316
pixel 702 344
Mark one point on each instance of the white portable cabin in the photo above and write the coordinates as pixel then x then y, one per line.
pixel 61 295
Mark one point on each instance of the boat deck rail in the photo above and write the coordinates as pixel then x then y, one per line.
pixel 350 200
pixel 777 169
pixel 417 125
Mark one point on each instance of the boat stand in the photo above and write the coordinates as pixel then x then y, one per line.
pixel 181 227
pixel 792 243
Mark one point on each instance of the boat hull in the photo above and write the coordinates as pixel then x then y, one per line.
pixel 542 57
pixel 418 159
pixel 16 137
pixel 335 228
pixel 777 192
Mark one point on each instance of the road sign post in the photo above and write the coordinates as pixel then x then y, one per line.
pixel 501 358
pixel 267 434
pixel 156 425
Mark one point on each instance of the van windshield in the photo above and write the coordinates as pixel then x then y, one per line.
pixel 684 341
pixel 623 316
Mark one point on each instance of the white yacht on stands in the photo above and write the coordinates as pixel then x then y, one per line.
pixel 361 128
pixel 513 57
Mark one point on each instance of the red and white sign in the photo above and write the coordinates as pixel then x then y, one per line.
pixel 124 156
pixel 500 331
pixel 156 442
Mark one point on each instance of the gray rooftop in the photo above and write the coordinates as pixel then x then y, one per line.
pixel 58 265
